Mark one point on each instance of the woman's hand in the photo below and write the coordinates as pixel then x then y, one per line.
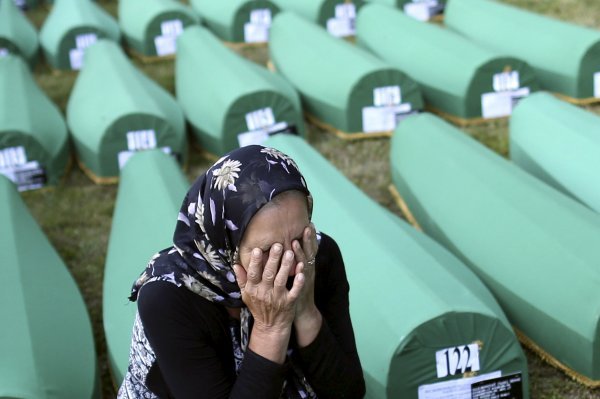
pixel 273 307
pixel 308 319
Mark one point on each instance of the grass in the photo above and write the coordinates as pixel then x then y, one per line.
pixel 76 216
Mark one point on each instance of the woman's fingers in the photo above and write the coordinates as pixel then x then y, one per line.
pixel 255 267
pixel 240 276
pixel 287 263
pixel 309 242
pixel 296 289
pixel 270 270
pixel 298 251
pixel 264 286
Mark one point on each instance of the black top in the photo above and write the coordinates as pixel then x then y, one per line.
pixel 194 353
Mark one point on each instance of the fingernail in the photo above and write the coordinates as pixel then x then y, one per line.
pixel 289 255
pixel 256 252
pixel 277 248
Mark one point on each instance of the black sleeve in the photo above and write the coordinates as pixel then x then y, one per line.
pixel 183 330
pixel 331 361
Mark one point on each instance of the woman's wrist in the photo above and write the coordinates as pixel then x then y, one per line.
pixel 307 325
pixel 269 342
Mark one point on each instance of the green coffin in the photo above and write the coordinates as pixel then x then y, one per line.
pixel 409 297
pixel 229 100
pixel 71 27
pixel 337 16
pixel 151 27
pixel 46 336
pixel 17 35
pixel 115 110
pixel 34 142
pixel 536 249
pixel 238 21
pixel 458 77
pixel 340 84
pixel 422 10
pixel 566 57
pixel 560 144
pixel 128 253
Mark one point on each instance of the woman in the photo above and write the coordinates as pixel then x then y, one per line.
pixel 250 302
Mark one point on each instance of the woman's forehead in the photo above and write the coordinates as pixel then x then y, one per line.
pixel 278 222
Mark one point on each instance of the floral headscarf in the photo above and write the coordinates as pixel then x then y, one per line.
pixel 213 217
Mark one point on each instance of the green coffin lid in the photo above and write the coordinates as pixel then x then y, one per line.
pixel 34 142
pixel 453 72
pixel 224 94
pixel 135 217
pixel 237 21
pixel 565 57
pixel 560 144
pixel 71 27
pixel 336 80
pixel 151 27
pixel 409 297
pixel 17 35
pixel 46 336
pixel 536 249
pixel 337 16
pixel 115 108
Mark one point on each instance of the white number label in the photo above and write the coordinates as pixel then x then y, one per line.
pixel 166 43
pixel 345 11
pixel 459 388
pixel 14 165
pixel 387 96
pixel 259 136
pixel 457 360
pixel 257 30
pixel 171 28
pixel 506 81
pixel 256 33
pixel 260 119
pixel 260 17
pixel 597 84
pixel 86 40
pixel 12 156
pixel 76 54
pixel 140 140
pixel 422 10
pixel 384 119
pixel 497 105
pixel 76 58
pixel 342 25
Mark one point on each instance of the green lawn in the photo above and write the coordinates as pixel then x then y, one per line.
pixel 76 216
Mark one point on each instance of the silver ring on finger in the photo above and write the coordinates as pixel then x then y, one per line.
pixel 312 262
